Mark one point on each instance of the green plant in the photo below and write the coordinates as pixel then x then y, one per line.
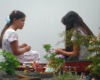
pixel 9 63
pixel 54 59
pixel 95 66
pixel 67 75
pixel 80 40
pixel 92 44
pixel 90 41
pixel 55 62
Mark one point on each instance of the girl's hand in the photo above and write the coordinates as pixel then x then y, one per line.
pixel 23 45
pixel 58 51
pixel 27 48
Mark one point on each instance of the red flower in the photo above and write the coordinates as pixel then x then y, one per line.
pixel 36 68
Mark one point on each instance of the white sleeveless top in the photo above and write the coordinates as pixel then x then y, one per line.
pixel 82 48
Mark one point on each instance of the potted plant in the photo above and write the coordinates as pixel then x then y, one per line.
pixel 9 63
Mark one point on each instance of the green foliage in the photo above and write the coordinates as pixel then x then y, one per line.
pixel 92 44
pixel 57 62
pixel 47 47
pixel 95 66
pixel 67 75
pixel 80 39
pixel 54 62
pixel 9 63
pixel 67 37
pixel 90 41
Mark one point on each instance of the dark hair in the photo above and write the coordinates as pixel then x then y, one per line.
pixel 15 14
pixel 73 20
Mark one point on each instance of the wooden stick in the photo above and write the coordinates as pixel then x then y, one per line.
pixel 22 76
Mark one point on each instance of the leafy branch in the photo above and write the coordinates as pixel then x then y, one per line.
pixel 9 63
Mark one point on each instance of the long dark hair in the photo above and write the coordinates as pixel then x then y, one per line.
pixel 15 14
pixel 73 20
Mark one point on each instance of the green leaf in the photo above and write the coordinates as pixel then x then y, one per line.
pixel 10 63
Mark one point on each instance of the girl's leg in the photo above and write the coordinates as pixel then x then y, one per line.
pixel 31 56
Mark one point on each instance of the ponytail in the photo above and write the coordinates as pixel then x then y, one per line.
pixel 2 33
pixel 14 14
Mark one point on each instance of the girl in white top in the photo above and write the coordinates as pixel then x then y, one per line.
pixel 73 21
pixel 9 39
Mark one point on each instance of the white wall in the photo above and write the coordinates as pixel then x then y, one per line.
pixel 43 21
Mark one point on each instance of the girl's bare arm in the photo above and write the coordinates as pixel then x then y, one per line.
pixel 74 52
pixel 16 50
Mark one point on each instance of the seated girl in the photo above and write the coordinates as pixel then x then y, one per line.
pixel 73 21
pixel 9 39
